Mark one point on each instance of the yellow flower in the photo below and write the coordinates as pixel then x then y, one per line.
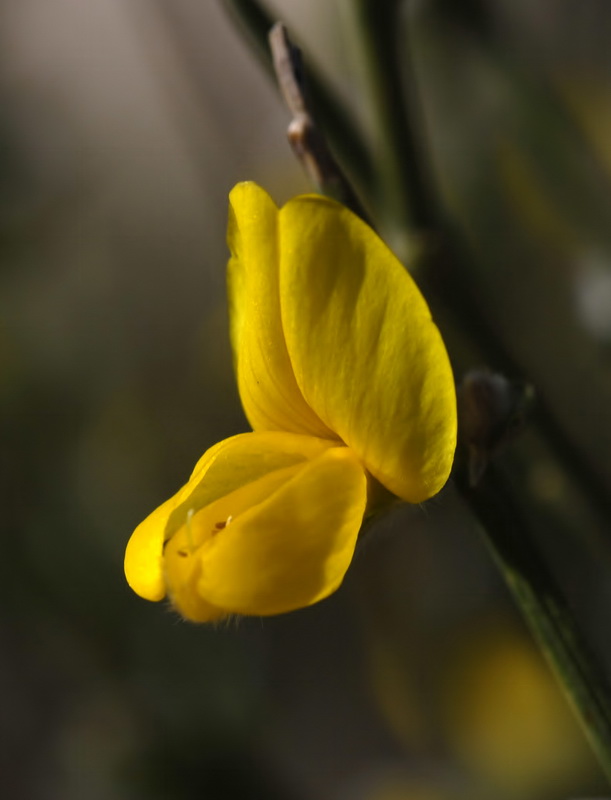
pixel 346 383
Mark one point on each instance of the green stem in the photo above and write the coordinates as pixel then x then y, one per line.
pixel 409 201
pixel 406 163
pixel 340 128
pixel 510 542
pixel 404 199
pixel 447 282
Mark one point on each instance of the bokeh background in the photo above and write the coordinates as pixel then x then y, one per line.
pixel 123 125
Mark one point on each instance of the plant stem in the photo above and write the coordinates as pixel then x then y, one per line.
pixel 407 201
pixel 341 130
pixel 305 137
pixel 403 191
pixel 507 536
pixel 447 276
pixel 410 201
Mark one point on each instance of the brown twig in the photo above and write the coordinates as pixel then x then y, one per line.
pixel 305 137
pixel 492 412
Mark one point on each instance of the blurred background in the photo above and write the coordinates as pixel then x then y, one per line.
pixel 123 126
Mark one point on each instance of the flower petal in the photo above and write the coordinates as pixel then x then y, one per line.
pixel 143 563
pixel 269 393
pixel 222 469
pixel 293 545
pixel 365 352
pixel 185 551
